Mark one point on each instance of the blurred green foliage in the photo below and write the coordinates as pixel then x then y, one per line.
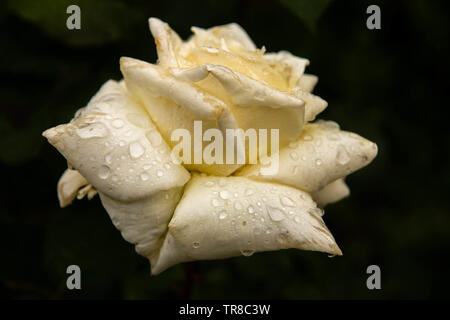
pixel 388 85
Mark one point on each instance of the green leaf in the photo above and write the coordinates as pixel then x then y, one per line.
pixel 102 21
pixel 309 11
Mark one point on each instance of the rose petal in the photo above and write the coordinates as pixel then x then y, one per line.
pixel 332 192
pixel 219 218
pixel 175 104
pixel 295 65
pixel 254 105
pixel 120 156
pixel 322 154
pixel 167 41
pixel 68 185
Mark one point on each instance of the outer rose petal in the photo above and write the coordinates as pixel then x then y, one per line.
pixel 321 155
pixel 219 218
pixel 175 104
pixel 68 186
pixel 118 150
pixel 332 192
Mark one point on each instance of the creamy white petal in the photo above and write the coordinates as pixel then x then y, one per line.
pixel 115 146
pixel 322 154
pixel 143 222
pixel 219 218
pixel 332 192
pixel 68 186
pixel 313 104
pixel 254 104
pixel 167 41
pixel 307 82
pixel 233 35
pixel 175 104
pixel 296 65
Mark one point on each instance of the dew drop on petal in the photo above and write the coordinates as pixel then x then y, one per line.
pixel 249 192
pixel 136 150
pixel 318 162
pixel 223 214
pixel 286 201
pixel 224 194
pixel 247 252
pixel 117 123
pixel 342 156
pixel 275 214
pixel 209 184
pixel 103 172
pixel 251 209
pixel 93 130
pixel 196 245
pixel 294 155
pixel 159 173
pixel 108 159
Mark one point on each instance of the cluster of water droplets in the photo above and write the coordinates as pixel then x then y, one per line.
pixel 124 130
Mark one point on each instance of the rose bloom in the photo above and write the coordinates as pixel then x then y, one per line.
pixel 120 146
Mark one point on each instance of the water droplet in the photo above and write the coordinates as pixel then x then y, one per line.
pixel 294 155
pixel 147 166
pixel 236 195
pixel 209 184
pixel 195 245
pixel 136 150
pixel 117 123
pixel 93 130
pixel 275 214
pixel 304 158
pixel 144 176
pixel 159 173
pixel 247 252
pixel 103 172
pixel 293 144
pixel 216 202
pixel 249 192
pixel 167 165
pixel 318 142
pixel 297 219
pixel 269 230
pixel 224 194
pixel 318 162
pixel 108 159
pixel 286 201
pixel 154 138
pixel 342 156
pixel 250 209
pixel 222 215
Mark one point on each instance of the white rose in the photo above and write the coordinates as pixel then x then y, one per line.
pixel 120 146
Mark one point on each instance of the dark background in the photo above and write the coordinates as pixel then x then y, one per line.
pixel 389 85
